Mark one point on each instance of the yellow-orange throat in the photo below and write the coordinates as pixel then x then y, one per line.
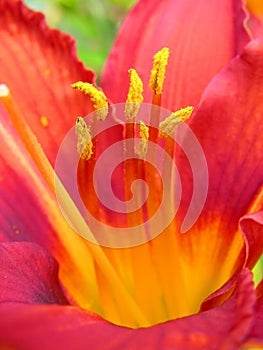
pixel 162 276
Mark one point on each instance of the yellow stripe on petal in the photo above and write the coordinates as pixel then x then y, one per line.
pixel 78 258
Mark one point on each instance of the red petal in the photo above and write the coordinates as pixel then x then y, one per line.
pixel 29 211
pixel 252 227
pixel 24 193
pixel 255 338
pixel 260 289
pixel 203 38
pixel 223 328
pixel 38 65
pixel 229 126
pixel 28 274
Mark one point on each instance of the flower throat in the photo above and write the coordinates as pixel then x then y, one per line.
pixel 146 269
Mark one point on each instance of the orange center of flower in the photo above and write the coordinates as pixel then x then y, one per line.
pixel 147 270
pixel 156 274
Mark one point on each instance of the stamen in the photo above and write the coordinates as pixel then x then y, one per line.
pixel 85 144
pixel 97 97
pixel 168 126
pixel 160 60
pixel 134 97
pixel 142 147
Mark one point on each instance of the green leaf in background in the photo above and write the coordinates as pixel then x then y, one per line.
pixel 93 23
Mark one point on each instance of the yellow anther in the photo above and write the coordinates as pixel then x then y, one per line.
pixel 142 147
pixel 134 97
pixel 168 125
pixel 160 60
pixel 97 97
pixel 85 145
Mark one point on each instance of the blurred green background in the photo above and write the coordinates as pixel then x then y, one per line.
pixel 93 23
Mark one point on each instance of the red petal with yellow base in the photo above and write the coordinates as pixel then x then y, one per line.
pixel 225 327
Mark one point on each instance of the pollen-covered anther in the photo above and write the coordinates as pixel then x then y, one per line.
pixel 142 146
pixel 169 124
pixel 134 97
pixel 160 60
pixel 97 97
pixel 84 145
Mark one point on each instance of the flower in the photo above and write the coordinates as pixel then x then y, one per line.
pixel 216 256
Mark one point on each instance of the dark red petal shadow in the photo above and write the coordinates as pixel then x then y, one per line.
pixel 252 227
pixel 223 328
pixel 202 36
pixel 38 65
pixel 28 274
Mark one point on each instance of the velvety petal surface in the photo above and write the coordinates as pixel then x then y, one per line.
pixel 222 328
pixel 255 337
pixel 229 127
pixel 202 36
pixel 38 65
pixel 28 274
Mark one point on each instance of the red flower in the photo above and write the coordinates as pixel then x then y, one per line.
pixel 214 66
